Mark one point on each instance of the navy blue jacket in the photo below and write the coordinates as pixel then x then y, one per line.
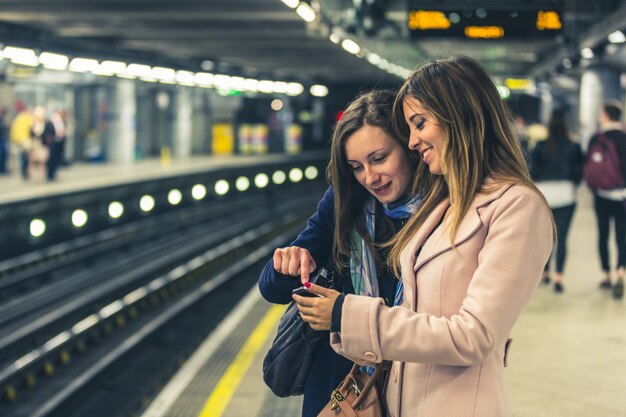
pixel 328 368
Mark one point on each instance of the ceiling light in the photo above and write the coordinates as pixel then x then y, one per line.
pixel 266 86
pixel 207 65
pixel 163 74
pixel 184 78
pixel 503 91
pixel 251 84
pixel 22 56
pixel 238 83
pixel 281 87
pixel 11 52
pixel 295 89
pixel 318 90
pixel 587 53
pixel 617 37
pixel 334 37
pixel 138 70
pixel 291 3
pixel 83 65
pixel 351 46
pixel 53 61
pixel 306 12
pixel 222 81
pixel 111 67
pixel 373 58
pixel 203 79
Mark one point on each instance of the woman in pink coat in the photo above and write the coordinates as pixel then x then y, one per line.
pixel 469 259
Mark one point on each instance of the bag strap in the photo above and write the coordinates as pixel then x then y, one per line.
pixel 370 383
pixel 347 409
pixel 340 394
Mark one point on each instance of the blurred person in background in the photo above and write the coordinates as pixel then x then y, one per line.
pixel 4 143
pixel 57 148
pixel 43 138
pixel 20 136
pixel 609 203
pixel 556 166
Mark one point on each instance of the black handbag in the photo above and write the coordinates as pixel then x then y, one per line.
pixel 287 363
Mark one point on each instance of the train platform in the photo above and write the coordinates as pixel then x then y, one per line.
pixel 88 176
pixel 567 360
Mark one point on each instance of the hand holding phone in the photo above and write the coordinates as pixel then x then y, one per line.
pixel 304 292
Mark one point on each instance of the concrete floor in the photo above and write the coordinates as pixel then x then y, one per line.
pixel 568 358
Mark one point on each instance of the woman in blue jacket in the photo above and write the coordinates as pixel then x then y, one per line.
pixel 371 172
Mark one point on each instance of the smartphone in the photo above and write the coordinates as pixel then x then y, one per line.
pixel 304 292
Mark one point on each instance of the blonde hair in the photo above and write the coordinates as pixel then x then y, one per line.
pixel 479 144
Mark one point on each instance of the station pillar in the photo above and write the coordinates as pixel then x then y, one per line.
pixel 122 143
pixel 546 102
pixel 597 85
pixel 183 123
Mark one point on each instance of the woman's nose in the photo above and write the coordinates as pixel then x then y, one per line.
pixel 414 142
pixel 371 176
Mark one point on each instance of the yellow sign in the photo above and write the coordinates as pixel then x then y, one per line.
pixel 548 20
pixel 517 83
pixel 223 139
pixel 484 32
pixel 428 19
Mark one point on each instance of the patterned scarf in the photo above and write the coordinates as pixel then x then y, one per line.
pixel 362 264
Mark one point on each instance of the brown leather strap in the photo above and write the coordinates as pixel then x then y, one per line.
pixel 370 382
pixel 347 409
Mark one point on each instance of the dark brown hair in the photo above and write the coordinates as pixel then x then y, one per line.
pixel 373 109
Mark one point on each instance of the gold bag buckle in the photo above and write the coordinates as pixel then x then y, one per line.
pixel 335 399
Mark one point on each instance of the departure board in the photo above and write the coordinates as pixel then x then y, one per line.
pixel 482 23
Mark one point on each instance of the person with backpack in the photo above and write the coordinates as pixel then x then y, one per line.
pixel 556 168
pixel 605 174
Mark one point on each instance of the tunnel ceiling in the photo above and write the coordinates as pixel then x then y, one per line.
pixel 265 38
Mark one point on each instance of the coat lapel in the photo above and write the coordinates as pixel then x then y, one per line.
pixel 470 225
pixel 407 258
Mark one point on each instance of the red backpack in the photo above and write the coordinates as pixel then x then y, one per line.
pixel 602 167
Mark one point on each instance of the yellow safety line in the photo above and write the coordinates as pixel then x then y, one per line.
pixel 227 385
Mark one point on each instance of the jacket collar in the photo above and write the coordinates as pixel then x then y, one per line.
pixel 605 127
pixel 469 225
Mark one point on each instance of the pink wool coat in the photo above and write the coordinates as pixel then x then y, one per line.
pixel 449 339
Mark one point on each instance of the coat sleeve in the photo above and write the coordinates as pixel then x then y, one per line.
pixel 317 238
pixel 517 245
